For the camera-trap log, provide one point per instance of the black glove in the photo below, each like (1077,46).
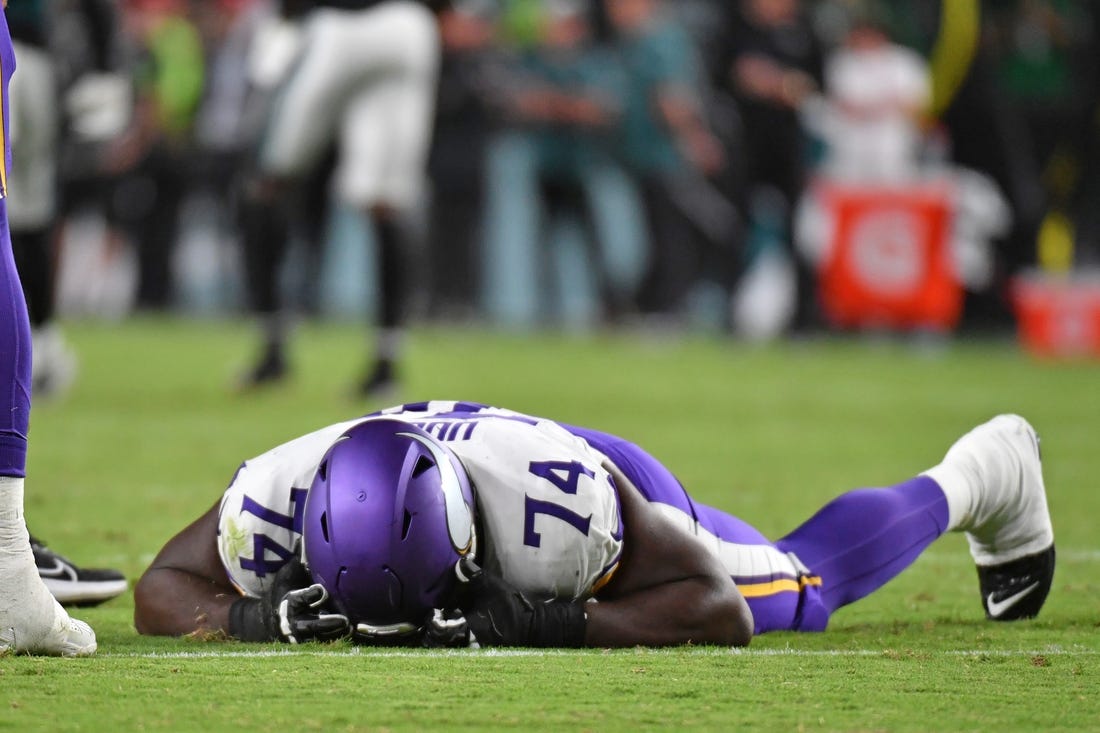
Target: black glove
(448,629)
(291,609)
(498,614)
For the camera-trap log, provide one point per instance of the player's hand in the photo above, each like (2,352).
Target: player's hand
(448,629)
(499,614)
(302,617)
(292,609)
(496,613)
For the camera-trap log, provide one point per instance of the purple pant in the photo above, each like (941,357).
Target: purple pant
(15,329)
(851,547)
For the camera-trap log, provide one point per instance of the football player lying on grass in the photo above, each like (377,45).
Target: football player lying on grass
(455,524)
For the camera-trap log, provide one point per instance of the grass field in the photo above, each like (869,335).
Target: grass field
(150,436)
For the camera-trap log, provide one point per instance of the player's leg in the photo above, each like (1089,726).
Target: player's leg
(989,485)
(265,238)
(863,538)
(385,135)
(300,127)
(30,619)
(391,241)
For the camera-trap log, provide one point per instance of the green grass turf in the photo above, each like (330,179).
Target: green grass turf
(151,435)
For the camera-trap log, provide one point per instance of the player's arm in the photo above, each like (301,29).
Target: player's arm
(668,589)
(186,589)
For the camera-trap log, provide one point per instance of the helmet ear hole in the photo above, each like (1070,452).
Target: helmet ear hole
(423,463)
(405,524)
(324,526)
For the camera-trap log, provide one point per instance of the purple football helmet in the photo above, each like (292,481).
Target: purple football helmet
(388,515)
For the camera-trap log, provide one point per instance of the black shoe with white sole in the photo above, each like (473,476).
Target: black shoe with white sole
(74,586)
(1016,589)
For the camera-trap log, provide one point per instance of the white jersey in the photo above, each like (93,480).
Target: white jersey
(548,511)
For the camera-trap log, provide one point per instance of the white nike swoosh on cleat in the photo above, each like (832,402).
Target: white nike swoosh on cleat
(58,570)
(996,608)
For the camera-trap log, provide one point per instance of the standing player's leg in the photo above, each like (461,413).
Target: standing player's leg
(30,619)
(989,485)
(264,238)
(385,136)
(300,127)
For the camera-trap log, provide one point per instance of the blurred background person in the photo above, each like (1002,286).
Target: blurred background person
(773,61)
(1044,65)
(253,50)
(154,157)
(65,50)
(468,115)
(664,139)
(565,98)
(32,200)
(877,94)
(365,77)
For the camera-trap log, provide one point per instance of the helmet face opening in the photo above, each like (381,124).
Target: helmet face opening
(389,513)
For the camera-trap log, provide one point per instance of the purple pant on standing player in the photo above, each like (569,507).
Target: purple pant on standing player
(15,329)
(851,547)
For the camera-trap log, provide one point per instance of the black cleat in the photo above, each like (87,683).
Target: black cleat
(1016,589)
(380,382)
(270,370)
(73,586)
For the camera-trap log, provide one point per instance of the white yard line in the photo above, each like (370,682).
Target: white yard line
(1057,650)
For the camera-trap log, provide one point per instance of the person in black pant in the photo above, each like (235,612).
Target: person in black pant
(464,125)
(772,61)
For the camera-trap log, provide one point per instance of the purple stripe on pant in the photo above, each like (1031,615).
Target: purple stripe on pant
(855,544)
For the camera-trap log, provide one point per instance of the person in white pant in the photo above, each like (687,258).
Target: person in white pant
(365,78)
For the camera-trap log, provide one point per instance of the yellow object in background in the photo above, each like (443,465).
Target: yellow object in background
(1055,243)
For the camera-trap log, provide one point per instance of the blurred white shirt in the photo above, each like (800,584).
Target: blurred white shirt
(871,126)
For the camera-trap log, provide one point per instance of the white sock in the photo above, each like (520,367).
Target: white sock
(957,488)
(11,503)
